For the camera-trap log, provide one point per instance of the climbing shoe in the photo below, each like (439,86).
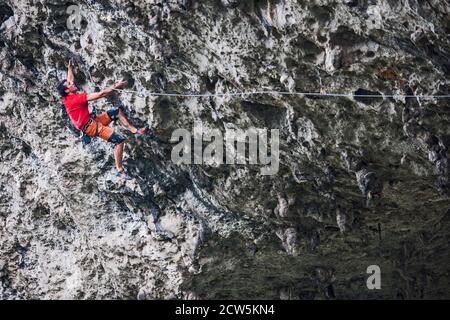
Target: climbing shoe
(123,175)
(141,133)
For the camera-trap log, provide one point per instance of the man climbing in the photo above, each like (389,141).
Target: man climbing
(92,125)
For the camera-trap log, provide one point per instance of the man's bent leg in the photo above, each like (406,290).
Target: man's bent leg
(124,121)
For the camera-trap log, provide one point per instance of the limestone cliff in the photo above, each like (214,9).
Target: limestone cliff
(362,181)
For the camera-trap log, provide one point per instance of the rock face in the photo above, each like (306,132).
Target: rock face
(362,181)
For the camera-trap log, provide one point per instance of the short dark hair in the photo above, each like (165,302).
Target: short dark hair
(62,88)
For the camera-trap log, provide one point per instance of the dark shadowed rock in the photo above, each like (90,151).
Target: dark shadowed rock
(360,181)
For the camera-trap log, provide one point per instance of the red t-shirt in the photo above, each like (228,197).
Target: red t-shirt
(77,108)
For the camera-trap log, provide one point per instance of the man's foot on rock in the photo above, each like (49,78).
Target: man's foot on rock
(123,175)
(141,133)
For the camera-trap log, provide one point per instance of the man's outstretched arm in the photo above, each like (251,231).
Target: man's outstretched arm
(107,92)
(70,72)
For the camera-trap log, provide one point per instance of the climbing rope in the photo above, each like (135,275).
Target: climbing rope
(146,93)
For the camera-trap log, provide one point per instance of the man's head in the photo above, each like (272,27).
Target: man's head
(65,88)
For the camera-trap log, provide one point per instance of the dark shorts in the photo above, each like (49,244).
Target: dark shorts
(113,114)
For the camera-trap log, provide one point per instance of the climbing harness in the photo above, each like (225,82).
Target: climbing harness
(145,93)
(84,137)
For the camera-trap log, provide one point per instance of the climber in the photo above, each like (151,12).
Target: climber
(92,125)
